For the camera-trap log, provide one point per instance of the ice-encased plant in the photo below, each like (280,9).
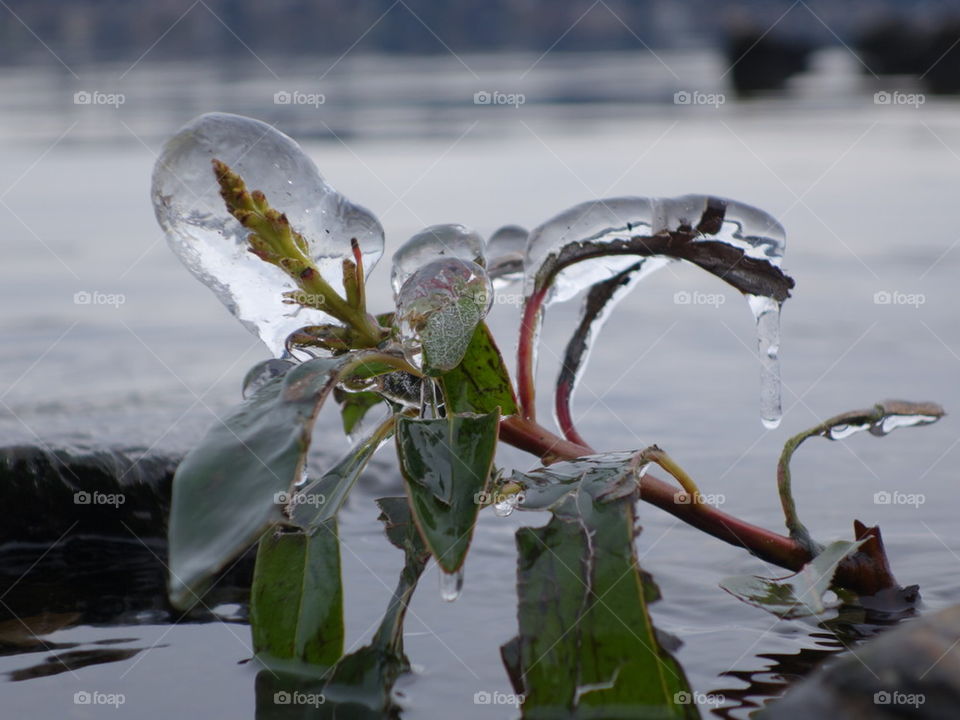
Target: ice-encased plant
(249,214)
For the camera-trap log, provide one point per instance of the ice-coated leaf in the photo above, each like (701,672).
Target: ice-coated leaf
(225,491)
(435,243)
(213,245)
(612,475)
(445,464)
(439,307)
(798,595)
(296,601)
(481,382)
(598,242)
(586,646)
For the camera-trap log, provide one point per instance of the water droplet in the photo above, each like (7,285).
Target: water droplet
(451,584)
(505,252)
(434,243)
(213,245)
(439,307)
(262,373)
(766,313)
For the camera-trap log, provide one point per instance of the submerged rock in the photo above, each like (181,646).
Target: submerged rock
(911,671)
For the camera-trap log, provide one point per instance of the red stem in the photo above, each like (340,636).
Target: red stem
(864,573)
(527,354)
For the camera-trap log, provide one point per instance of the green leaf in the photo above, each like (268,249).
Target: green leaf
(798,595)
(354,406)
(586,646)
(611,475)
(296,602)
(224,490)
(480,383)
(445,463)
(360,685)
(320,500)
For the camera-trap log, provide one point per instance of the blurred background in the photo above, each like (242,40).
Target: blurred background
(839,119)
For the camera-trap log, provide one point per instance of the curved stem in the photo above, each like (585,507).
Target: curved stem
(862,573)
(527,354)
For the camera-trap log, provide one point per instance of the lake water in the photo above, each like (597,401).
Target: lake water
(866,192)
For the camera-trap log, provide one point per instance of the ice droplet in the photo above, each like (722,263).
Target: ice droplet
(505,251)
(507,505)
(439,307)
(434,243)
(262,373)
(451,584)
(213,245)
(884,426)
(766,313)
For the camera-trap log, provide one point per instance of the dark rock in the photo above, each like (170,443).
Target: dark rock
(912,671)
(46,493)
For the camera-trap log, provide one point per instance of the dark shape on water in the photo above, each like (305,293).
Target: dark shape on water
(910,671)
(95,491)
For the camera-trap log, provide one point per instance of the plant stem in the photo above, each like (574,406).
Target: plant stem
(866,572)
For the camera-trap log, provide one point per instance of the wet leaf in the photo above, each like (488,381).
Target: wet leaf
(798,595)
(481,382)
(586,645)
(612,475)
(354,407)
(296,602)
(224,491)
(445,463)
